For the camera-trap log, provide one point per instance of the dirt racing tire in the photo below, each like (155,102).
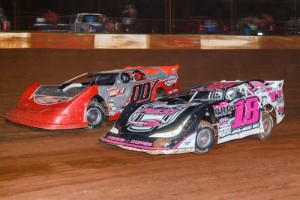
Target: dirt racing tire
(268,125)
(94,115)
(204,139)
(160,93)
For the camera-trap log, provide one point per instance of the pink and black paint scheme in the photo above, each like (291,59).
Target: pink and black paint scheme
(192,120)
(85,100)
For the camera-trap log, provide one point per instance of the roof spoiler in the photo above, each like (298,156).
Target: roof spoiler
(169,69)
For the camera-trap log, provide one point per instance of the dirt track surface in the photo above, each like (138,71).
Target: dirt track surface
(40,164)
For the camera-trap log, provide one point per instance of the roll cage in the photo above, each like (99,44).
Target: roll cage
(203,93)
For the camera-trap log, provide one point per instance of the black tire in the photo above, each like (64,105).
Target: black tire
(205,138)
(94,115)
(268,125)
(160,93)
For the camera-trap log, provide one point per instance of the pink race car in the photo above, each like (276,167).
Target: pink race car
(192,120)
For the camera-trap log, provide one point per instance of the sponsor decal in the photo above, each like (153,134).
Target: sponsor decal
(147,123)
(149,116)
(116,92)
(240,130)
(48,100)
(171,81)
(216,94)
(281,110)
(160,111)
(224,120)
(142,143)
(113,138)
(276,96)
(111,104)
(187,141)
(223,109)
(224,130)
(220,85)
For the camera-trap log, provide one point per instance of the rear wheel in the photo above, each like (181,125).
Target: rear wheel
(205,138)
(94,115)
(268,125)
(160,93)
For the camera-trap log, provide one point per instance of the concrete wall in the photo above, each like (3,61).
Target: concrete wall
(136,41)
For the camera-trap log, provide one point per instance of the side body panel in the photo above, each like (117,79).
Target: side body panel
(118,96)
(242,117)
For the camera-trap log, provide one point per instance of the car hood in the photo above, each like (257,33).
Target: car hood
(48,95)
(159,116)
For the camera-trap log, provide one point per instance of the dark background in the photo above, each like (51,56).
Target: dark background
(27,10)
(153,9)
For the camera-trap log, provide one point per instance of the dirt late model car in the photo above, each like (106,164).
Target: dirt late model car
(192,120)
(85,100)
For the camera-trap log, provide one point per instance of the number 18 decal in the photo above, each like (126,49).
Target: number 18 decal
(246,112)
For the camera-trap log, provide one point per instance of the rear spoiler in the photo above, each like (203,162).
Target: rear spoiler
(169,69)
(276,84)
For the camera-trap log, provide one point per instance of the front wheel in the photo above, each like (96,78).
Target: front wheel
(95,115)
(268,125)
(204,139)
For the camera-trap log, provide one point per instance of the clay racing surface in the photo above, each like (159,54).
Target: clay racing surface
(40,164)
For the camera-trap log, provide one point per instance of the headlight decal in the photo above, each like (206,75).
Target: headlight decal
(114,130)
(172,133)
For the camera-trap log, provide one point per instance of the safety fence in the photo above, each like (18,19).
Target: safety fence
(194,25)
(143,41)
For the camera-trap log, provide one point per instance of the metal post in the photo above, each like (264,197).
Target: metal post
(296,21)
(166,17)
(231,16)
(295,1)
(170,16)
(15,14)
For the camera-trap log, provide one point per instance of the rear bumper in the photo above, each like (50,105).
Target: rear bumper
(43,120)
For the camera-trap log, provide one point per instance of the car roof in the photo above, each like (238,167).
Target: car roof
(114,71)
(217,85)
(221,85)
(89,14)
(106,72)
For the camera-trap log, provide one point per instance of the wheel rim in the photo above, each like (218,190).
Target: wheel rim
(204,138)
(94,116)
(267,124)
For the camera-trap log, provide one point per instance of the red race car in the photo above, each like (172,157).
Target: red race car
(85,100)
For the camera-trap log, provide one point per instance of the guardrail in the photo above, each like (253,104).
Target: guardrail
(143,41)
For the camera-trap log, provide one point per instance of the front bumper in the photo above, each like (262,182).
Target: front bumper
(43,120)
(146,149)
